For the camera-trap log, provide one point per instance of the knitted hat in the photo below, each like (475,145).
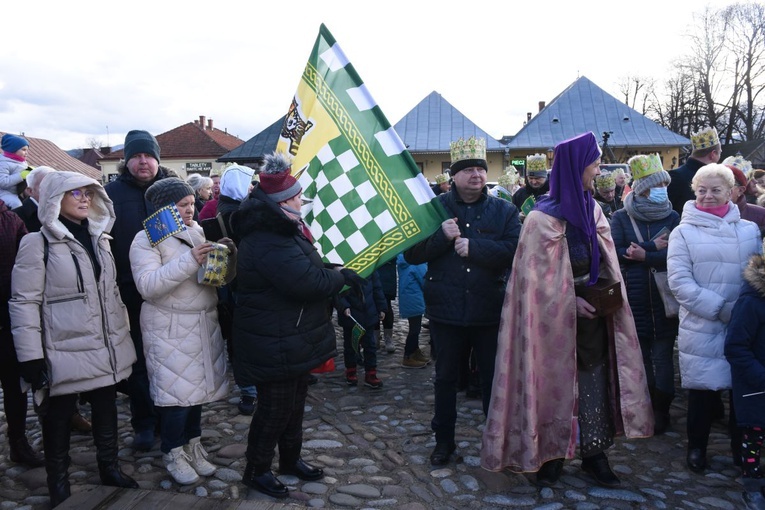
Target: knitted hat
(11,143)
(647,172)
(468,153)
(141,142)
(170,190)
(276,180)
(738,175)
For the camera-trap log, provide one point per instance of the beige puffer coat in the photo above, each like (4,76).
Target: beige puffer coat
(182,341)
(58,310)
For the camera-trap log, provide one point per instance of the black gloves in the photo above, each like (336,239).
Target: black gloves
(354,281)
(35,373)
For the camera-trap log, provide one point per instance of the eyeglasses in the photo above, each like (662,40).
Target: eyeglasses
(78,194)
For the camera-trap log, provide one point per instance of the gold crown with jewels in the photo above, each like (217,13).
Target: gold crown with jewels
(704,138)
(472,148)
(536,163)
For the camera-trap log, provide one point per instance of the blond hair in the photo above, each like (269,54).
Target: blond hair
(714,170)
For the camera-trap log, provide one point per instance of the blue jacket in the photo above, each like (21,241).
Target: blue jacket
(647,308)
(469,291)
(745,346)
(366,312)
(411,278)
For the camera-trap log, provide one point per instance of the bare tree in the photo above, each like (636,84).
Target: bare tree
(637,89)
(94,143)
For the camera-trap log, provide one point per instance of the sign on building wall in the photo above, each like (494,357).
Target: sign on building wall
(200,167)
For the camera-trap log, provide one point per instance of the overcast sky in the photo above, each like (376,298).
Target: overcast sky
(70,69)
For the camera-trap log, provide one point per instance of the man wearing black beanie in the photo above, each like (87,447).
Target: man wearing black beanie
(139,170)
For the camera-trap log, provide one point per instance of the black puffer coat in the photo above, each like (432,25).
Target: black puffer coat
(469,291)
(282,316)
(643,296)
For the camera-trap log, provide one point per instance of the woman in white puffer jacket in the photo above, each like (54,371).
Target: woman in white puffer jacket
(706,257)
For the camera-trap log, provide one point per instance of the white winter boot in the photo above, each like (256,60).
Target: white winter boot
(390,347)
(177,463)
(198,456)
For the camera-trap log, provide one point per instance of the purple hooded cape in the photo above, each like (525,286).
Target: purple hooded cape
(566,200)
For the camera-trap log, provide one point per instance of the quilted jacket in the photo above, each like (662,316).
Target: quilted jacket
(705,261)
(59,311)
(469,291)
(182,341)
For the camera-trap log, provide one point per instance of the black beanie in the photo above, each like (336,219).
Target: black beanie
(138,142)
(170,190)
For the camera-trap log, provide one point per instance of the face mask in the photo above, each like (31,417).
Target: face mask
(658,195)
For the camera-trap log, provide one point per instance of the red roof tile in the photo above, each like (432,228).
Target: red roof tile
(193,140)
(44,152)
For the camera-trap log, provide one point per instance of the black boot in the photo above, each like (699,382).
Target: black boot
(104,428)
(263,480)
(22,453)
(56,445)
(661,403)
(302,470)
(597,466)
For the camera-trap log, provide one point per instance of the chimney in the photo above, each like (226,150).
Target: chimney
(202,122)
(541,105)
(209,124)
(528,116)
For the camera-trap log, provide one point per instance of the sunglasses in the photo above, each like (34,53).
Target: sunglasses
(79,194)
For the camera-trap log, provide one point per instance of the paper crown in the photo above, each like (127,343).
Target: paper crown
(441,178)
(641,166)
(704,138)
(739,162)
(507,180)
(472,148)
(214,272)
(536,163)
(605,181)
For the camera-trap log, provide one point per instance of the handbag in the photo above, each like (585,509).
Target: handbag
(605,295)
(671,306)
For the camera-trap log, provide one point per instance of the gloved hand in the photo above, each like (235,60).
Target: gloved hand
(34,372)
(354,281)
(24,174)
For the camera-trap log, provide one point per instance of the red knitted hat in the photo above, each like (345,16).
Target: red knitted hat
(738,175)
(276,179)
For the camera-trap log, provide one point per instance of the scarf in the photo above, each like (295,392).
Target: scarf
(640,208)
(296,216)
(14,156)
(720,211)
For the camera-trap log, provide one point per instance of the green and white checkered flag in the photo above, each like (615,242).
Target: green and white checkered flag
(369,201)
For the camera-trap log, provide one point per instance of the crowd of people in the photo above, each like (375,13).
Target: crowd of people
(554,288)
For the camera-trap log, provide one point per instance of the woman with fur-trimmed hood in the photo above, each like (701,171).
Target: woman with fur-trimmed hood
(69,324)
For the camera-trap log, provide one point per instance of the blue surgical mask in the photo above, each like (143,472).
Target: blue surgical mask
(658,195)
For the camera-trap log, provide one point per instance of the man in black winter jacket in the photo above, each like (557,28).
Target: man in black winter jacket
(139,170)
(705,146)
(536,184)
(469,259)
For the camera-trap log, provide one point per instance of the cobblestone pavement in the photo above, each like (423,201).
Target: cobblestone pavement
(374,446)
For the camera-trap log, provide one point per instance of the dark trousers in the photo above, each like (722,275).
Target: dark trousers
(178,425)
(449,342)
(278,421)
(701,404)
(143,414)
(413,335)
(387,322)
(367,354)
(14,401)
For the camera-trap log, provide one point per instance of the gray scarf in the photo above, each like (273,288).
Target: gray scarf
(640,208)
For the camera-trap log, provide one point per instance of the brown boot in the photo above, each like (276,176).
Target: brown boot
(80,423)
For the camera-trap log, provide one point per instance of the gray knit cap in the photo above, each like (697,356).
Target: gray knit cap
(170,190)
(639,186)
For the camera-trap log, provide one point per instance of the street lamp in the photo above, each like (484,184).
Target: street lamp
(550,154)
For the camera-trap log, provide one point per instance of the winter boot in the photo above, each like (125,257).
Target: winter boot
(56,446)
(390,347)
(22,453)
(661,402)
(350,377)
(198,455)
(105,433)
(178,465)
(371,380)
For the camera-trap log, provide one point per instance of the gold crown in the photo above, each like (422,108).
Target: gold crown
(472,148)
(605,181)
(704,138)
(641,166)
(507,180)
(739,162)
(536,163)
(441,178)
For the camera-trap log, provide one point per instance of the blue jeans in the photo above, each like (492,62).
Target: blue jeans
(449,342)
(178,425)
(367,346)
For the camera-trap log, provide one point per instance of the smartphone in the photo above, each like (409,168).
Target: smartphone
(661,232)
